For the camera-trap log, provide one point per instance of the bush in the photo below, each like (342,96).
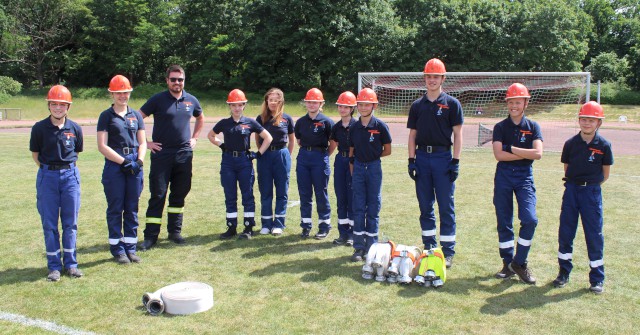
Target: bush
(615,94)
(9,86)
(607,67)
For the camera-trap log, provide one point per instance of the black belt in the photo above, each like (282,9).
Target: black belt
(56,167)
(434,148)
(126,150)
(343,153)
(236,153)
(277,147)
(580,183)
(309,148)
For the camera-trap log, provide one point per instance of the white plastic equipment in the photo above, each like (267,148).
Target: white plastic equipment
(180,299)
(377,261)
(403,264)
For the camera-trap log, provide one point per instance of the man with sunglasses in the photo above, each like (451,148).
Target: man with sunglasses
(171,155)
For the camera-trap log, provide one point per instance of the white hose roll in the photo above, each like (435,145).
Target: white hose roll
(187,298)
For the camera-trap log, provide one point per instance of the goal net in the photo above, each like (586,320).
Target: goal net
(556,98)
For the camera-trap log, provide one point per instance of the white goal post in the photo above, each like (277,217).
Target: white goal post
(555,96)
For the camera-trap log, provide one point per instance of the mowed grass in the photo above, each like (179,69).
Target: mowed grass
(290,286)
(35,108)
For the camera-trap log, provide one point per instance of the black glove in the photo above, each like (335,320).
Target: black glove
(453,169)
(222,147)
(254,155)
(127,166)
(507,148)
(413,173)
(136,167)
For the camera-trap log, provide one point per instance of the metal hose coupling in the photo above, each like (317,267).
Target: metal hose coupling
(182,298)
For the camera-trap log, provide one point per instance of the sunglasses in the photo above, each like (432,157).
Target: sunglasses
(173,80)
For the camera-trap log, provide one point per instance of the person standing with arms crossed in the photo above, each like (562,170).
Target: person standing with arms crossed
(122,141)
(517,142)
(171,155)
(342,171)
(55,143)
(369,140)
(587,159)
(236,167)
(313,132)
(274,167)
(432,120)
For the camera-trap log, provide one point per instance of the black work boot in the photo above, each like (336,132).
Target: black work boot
(247,233)
(358,256)
(148,243)
(305,232)
(562,279)
(231,229)
(505,273)
(177,238)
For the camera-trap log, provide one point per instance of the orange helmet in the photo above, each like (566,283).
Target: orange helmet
(435,66)
(591,109)
(314,95)
(346,99)
(368,95)
(59,93)
(517,90)
(236,96)
(120,83)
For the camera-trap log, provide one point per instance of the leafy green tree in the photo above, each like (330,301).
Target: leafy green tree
(216,35)
(300,44)
(130,37)
(498,35)
(36,32)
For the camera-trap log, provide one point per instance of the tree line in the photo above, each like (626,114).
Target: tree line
(297,44)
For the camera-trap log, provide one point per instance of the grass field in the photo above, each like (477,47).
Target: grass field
(287,286)
(33,108)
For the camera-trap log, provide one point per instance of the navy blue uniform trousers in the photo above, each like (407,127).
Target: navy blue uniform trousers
(58,196)
(122,191)
(585,201)
(367,200)
(274,168)
(344,195)
(236,171)
(518,180)
(433,184)
(312,172)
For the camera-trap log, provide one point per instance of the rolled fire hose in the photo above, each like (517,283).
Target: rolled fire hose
(180,299)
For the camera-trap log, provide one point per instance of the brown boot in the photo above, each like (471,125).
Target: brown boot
(523,272)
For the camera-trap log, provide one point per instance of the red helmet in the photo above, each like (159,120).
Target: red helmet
(368,95)
(435,66)
(120,83)
(517,90)
(59,93)
(236,96)
(346,99)
(314,95)
(591,109)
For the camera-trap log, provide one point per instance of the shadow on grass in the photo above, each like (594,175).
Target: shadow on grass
(268,245)
(531,297)
(26,275)
(315,269)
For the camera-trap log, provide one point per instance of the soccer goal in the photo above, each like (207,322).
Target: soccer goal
(556,98)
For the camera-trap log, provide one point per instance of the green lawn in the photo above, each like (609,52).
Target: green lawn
(34,108)
(285,285)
